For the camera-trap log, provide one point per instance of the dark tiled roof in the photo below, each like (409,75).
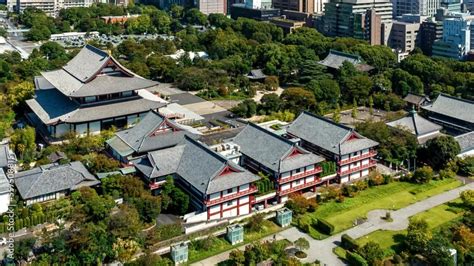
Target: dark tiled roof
(197,165)
(335,59)
(4,183)
(415,124)
(328,135)
(6,155)
(53,107)
(141,137)
(415,98)
(453,107)
(53,178)
(273,151)
(256,74)
(466,141)
(79,77)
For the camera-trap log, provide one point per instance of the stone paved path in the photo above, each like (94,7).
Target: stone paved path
(322,249)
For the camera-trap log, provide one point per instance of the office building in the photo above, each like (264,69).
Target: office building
(430,31)
(50,7)
(456,40)
(404,36)
(264,14)
(212,6)
(347,18)
(421,7)
(306,6)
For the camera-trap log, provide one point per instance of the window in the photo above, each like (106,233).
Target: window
(229,191)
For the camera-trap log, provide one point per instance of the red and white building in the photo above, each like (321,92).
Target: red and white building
(215,184)
(290,167)
(353,153)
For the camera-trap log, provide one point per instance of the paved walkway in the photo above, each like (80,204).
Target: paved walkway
(322,249)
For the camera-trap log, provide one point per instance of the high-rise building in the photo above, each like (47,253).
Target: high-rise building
(319,6)
(430,31)
(346,18)
(306,6)
(456,40)
(421,7)
(372,27)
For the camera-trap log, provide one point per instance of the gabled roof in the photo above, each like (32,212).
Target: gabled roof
(4,183)
(273,151)
(53,178)
(154,132)
(82,76)
(52,107)
(415,124)
(207,171)
(256,74)
(331,136)
(415,98)
(466,141)
(453,107)
(6,155)
(335,59)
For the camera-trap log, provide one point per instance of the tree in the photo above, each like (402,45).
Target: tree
(301,243)
(467,198)
(20,92)
(256,222)
(271,83)
(23,142)
(125,223)
(247,108)
(336,115)
(270,103)
(300,205)
(38,33)
(372,252)
(371,105)
(418,236)
(437,251)
(100,163)
(439,151)
(23,248)
(422,175)
(53,51)
(237,257)
(354,109)
(125,249)
(298,99)
(194,16)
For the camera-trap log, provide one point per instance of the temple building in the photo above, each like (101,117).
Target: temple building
(290,167)
(335,59)
(154,132)
(217,187)
(454,114)
(422,128)
(52,181)
(353,153)
(91,93)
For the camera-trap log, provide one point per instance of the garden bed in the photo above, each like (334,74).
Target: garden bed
(392,196)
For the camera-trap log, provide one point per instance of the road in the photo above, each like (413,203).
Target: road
(322,249)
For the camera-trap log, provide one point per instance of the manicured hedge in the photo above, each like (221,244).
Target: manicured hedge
(349,243)
(355,259)
(324,226)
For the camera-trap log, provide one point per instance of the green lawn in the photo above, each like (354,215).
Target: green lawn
(435,217)
(395,195)
(221,244)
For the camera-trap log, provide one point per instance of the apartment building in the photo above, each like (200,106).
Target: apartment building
(421,7)
(291,168)
(404,36)
(50,7)
(212,6)
(215,184)
(353,153)
(306,6)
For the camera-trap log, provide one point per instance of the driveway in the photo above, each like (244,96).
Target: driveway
(322,249)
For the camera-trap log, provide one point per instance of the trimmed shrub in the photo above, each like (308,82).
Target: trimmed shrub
(324,227)
(349,243)
(355,259)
